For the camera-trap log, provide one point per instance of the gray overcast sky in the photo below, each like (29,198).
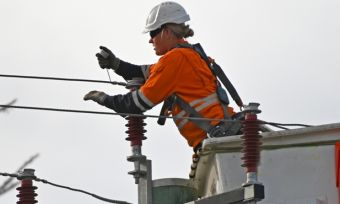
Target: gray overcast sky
(282,54)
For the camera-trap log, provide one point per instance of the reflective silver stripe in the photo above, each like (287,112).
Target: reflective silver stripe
(195,102)
(179,115)
(145,99)
(146,71)
(135,99)
(207,98)
(198,109)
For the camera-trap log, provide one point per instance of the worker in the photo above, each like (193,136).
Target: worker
(180,78)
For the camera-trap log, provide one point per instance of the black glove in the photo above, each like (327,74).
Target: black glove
(96,96)
(107,60)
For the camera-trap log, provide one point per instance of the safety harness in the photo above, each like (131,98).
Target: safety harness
(223,128)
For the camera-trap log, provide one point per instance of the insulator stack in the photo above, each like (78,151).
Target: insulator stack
(135,130)
(251,142)
(135,124)
(136,135)
(27,190)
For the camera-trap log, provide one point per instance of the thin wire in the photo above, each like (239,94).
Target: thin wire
(110,113)
(108,74)
(9,104)
(68,188)
(4,188)
(10,175)
(65,79)
(291,124)
(279,125)
(81,191)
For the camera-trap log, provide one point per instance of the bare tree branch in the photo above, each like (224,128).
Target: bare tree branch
(8,184)
(3,109)
(10,187)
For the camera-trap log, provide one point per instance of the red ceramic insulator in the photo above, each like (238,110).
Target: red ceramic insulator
(251,143)
(135,130)
(26,192)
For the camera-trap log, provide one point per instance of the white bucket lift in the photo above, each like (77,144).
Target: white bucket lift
(297,166)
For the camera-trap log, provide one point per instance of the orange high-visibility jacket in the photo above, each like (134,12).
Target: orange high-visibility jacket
(184,73)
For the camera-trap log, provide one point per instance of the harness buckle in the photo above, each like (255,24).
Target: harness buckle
(225,129)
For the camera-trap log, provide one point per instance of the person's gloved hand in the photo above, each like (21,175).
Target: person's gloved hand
(96,96)
(110,61)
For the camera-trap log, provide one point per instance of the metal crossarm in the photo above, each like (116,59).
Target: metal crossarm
(247,194)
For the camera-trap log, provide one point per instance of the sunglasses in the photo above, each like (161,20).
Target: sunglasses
(155,32)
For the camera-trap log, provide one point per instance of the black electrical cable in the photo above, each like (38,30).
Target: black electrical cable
(62,110)
(81,191)
(109,113)
(8,185)
(64,79)
(290,124)
(279,125)
(8,174)
(68,188)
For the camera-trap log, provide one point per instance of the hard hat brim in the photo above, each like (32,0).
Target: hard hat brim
(179,20)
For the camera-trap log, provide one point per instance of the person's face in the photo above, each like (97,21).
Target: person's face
(162,40)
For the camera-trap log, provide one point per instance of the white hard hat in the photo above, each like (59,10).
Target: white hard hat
(166,12)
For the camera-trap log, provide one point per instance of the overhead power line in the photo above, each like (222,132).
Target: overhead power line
(278,125)
(281,124)
(64,79)
(3,107)
(106,113)
(8,184)
(9,104)
(68,188)
(81,191)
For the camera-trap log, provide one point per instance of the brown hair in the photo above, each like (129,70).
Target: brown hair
(180,30)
